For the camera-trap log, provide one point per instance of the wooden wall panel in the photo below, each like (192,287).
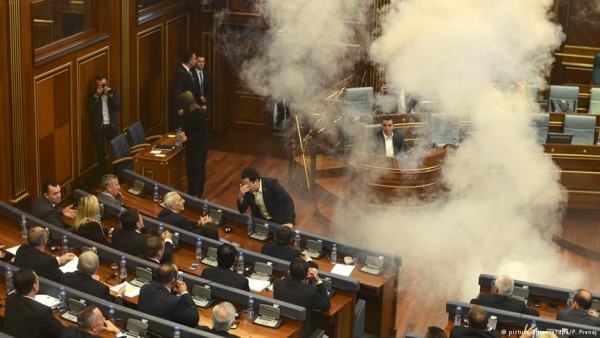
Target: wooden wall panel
(150,84)
(177,43)
(250,110)
(88,66)
(53,109)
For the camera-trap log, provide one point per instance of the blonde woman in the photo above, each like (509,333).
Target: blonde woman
(195,137)
(85,224)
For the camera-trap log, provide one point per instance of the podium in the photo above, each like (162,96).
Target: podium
(166,166)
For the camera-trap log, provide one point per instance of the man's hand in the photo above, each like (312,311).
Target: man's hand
(204,219)
(289,225)
(69,212)
(166,234)
(180,287)
(180,112)
(121,291)
(110,327)
(314,275)
(203,99)
(66,258)
(244,188)
(99,90)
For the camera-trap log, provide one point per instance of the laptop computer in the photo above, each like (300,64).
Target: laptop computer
(73,308)
(373,265)
(137,189)
(521,294)
(262,271)
(136,328)
(201,296)
(216,215)
(314,249)
(211,257)
(268,316)
(143,276)
(261,232)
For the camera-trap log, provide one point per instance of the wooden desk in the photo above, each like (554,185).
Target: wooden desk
(378,291)
(169,169)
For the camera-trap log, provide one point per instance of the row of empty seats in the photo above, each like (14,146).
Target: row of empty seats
(579,129)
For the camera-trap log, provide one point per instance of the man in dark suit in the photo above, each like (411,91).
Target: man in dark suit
(25,317)
(91,323)
(222,274)
(104,103)
(502,290)
(222,317)
(579,312)
(478,326)
(129,237)
(86,280)
(159,250)
(387,141)
(32,255)
(281,249)
(183,79)
(201,82)
(111,191)
(266,198)
(156,298)
(45,207)
(174,205)
(295,290)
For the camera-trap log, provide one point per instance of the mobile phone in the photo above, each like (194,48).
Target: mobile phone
(235,324)
(194,266)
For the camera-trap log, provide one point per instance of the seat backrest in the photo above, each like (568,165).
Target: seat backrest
(563,98)
(582,128)
(120,149)
(318,333)
(541,122)
(595,101)
(358,101)
(445,129)
(359,318)
(596,70)
(136,133)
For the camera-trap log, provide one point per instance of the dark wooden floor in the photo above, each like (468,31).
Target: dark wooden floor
(233,151)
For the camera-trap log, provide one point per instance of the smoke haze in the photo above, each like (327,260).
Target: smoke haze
(504,201)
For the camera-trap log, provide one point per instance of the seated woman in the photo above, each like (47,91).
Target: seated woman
(85,224)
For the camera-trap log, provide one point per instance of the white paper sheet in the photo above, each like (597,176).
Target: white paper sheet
(71,266)
(257,285)
(47,300)
(130,290)
(342,269)
(13,250)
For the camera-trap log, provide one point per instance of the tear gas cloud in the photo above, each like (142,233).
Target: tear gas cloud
(503,200)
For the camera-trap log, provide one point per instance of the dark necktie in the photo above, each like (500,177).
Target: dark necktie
(197,87)
(201,82)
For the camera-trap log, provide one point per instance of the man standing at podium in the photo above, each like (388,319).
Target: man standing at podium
(387,142)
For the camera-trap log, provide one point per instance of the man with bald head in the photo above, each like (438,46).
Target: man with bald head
(579,312)
(85,278)
(478,326)
(500,297)
(174,205)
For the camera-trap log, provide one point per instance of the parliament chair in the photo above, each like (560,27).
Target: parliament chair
(582,127)
(136,135)
(359,318)
(563,99)
(444,129)
(122,155)
(358,101)
(541,123)
(595,101)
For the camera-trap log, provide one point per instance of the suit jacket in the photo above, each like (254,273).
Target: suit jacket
(25,318)
(44,210)
(578,316)
(106,198)
(182,81)
(175,219)
(218,333)
(156,300)
(299,293)
(379,142)
(95,109)
(129,241)
(43,264)
(500,302)
(92,231)
(282,252)
(82,282)
(205,87)
(226,277)
(467,332)
(278,202)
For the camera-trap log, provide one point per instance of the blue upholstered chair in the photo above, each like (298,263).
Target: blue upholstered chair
(358,101)
(563,98)
(121,152)
(582,128)
(595,101)
(444,129)
(540,122)
(596,70)
(137,136)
